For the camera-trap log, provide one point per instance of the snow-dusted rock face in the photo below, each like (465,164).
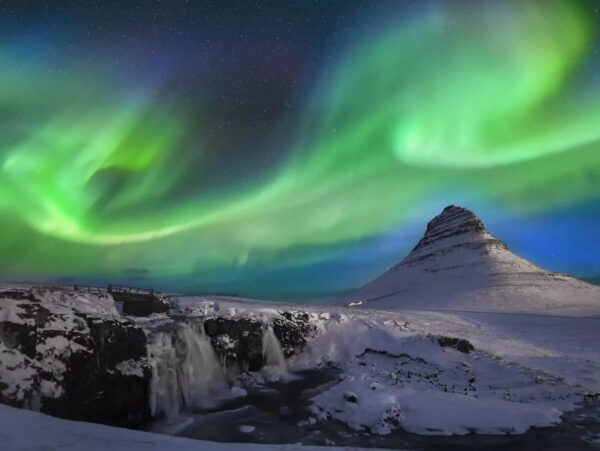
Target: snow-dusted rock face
(68,355)
(239,341)
(458,264)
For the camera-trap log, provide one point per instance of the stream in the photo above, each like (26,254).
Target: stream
(277,412)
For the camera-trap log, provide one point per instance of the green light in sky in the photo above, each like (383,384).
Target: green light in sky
(489,100)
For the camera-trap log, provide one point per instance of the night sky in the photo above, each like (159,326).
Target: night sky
(291,150)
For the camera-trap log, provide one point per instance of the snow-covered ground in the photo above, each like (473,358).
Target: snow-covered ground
(402,377)
(67,297)
(424,371)
(562,345)
(24,430)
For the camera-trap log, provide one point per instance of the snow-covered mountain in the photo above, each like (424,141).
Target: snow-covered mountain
(458,264)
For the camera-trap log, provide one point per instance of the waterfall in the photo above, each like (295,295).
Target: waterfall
(164,389)
(185,371)
(272,352)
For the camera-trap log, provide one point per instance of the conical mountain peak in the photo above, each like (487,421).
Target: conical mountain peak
(455,218)
(454,226)
(458,264)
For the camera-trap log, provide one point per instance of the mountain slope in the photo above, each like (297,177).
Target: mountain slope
(458,265)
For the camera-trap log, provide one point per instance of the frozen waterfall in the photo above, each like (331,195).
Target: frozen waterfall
(274,360)
(185,370)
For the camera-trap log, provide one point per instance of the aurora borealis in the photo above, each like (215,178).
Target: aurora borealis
(291,150)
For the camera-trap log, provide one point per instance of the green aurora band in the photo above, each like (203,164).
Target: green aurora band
(492,100)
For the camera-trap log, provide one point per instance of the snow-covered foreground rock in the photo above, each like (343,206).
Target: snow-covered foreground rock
(400,374)
(69,353)
(23,430)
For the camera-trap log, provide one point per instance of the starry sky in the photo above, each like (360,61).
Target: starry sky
(291,150)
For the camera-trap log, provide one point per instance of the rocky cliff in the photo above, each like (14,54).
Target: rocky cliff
(70,354)
(78,363)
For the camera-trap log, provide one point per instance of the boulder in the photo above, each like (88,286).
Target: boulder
(460,344)
(350,397)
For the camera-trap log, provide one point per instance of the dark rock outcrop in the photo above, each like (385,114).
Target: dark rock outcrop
(137,304)
(238,341)
(71,364)
(293,329)
(454,227)
(460,344)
